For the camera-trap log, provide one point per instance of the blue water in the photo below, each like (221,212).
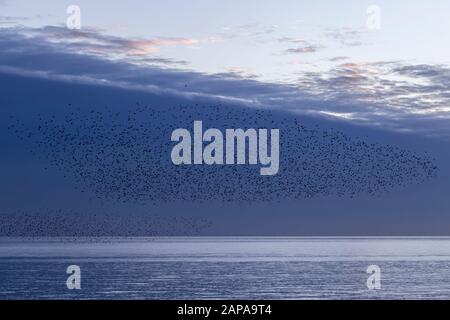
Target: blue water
(225,268)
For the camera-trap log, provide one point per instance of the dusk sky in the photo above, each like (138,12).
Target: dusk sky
(378,70)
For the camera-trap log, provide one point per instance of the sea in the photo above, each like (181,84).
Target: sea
(225,268)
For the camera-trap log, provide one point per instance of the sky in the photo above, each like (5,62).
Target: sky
(379,70)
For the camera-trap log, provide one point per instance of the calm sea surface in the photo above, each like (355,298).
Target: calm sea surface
(225,268)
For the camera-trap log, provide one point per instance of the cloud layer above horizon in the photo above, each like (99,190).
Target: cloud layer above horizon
(392,95)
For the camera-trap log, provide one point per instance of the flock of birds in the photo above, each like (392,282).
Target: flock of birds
(124,154)
(59,223)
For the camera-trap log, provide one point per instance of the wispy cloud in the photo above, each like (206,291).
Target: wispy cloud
(305,49)
(346,36)
(302,45)
(94,41)
(292,40)
(338,58)
(12,20)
